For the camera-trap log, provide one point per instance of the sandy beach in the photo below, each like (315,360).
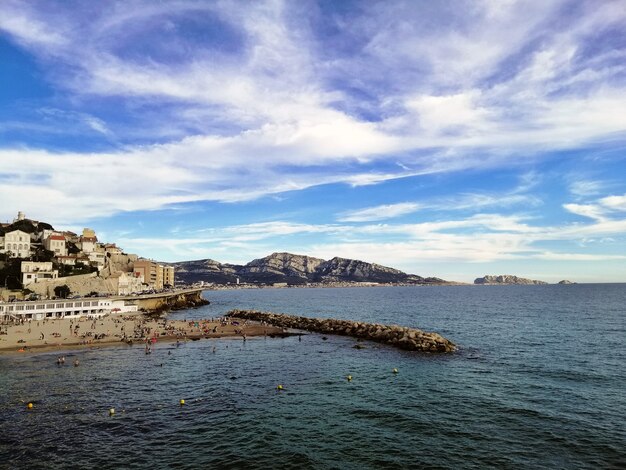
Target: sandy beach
(83,332)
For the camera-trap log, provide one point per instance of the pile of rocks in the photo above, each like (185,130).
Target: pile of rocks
(402,337)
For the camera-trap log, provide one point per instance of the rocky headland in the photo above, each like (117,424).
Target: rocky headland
(505,279)
(565,281)
(294,269)
(402,337)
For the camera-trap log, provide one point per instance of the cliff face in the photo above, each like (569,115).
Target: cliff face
(294,269)
(338,269)
(206,270)
(283,263)
(505,279)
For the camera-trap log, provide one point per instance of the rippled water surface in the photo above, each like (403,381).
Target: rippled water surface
(539,381)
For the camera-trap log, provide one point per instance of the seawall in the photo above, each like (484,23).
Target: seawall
(159,303)
(410,339)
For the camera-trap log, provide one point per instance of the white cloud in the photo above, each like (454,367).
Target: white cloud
(617,203)
(501,86)
(586,210)
(586,187)
(382,212)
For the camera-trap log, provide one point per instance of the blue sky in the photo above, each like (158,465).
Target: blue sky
(451,139)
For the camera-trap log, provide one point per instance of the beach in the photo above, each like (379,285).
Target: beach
(51,334)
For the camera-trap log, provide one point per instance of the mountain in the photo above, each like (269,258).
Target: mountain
(294,269)
(505,279)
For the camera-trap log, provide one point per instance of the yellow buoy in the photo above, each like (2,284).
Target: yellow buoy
(30,406)
(279,387)
(111,411)
(395,371)
(349,377)
(182,402)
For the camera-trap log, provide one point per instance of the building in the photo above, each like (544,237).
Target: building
(69,260)
(35,271)
(56,243)
(125,283)
(148,270)
(16,244)
(168,276)
(87,241)
(155,275)
(112,248)
(38,310)
(97,258)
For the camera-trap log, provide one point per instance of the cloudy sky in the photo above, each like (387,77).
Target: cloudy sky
(448,138)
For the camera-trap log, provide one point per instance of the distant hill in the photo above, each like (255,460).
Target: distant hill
(294,270)
(505,279)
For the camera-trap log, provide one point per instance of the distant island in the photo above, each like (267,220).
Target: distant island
(286,269)
(505,279)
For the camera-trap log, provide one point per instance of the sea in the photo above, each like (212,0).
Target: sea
(539,381)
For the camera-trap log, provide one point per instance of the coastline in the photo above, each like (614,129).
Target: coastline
(115,330)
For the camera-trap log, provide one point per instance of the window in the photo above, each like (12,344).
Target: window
(59,305)
(41,307)
(30,307)
(19,307)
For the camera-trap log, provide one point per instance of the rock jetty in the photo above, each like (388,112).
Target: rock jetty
(402,337)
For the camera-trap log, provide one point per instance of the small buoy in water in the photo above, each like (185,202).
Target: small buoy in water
(349,377)
(279,387)
(111,411)
(182,402)
(29,406)
(395,371)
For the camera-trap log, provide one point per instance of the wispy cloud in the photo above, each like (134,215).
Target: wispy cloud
(504,83)
(382,212)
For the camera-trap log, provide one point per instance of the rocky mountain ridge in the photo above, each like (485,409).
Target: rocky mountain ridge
(294,270)
(505,279)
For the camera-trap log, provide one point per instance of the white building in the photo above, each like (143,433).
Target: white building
(34,271)
(56,244)
(17,243)
(87,241)
(97,258)
(70,260)
(74,308)
(126,283)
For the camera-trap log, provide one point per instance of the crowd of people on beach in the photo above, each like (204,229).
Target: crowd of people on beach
(28,333)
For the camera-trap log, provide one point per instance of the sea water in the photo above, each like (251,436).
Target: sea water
(539,381)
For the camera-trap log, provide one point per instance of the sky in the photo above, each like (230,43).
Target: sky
(451,138)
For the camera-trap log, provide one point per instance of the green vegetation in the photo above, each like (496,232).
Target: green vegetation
(80,268)
(10,272)
(62,291)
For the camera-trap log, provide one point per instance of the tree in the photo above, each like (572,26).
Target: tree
(62,291)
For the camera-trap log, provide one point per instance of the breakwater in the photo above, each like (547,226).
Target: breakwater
(402,337)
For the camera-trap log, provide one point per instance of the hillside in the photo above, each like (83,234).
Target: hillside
(294,270)
(505,279)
